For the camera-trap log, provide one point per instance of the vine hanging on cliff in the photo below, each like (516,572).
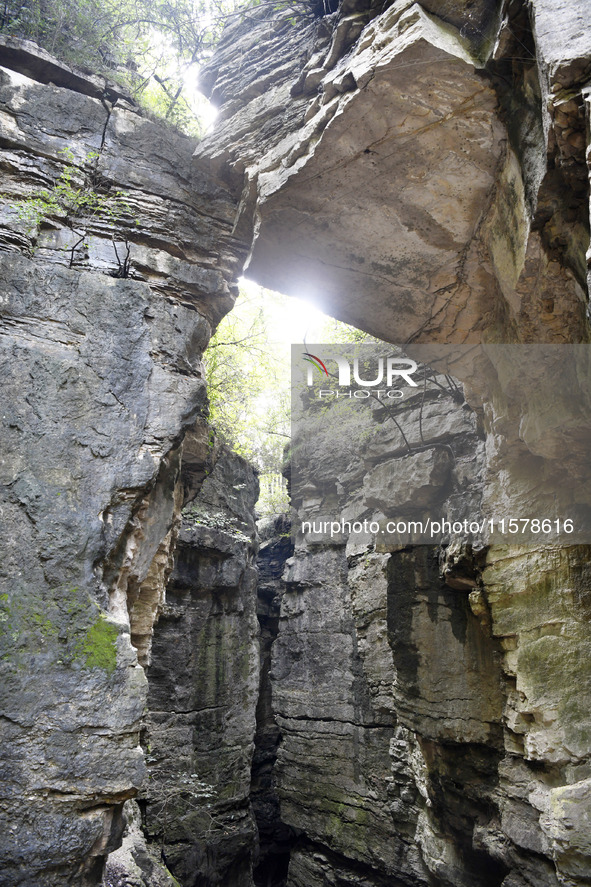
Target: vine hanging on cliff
(76,201)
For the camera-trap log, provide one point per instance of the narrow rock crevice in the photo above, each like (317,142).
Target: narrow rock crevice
(275,838)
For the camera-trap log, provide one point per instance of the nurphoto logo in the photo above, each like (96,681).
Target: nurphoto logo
(382,371)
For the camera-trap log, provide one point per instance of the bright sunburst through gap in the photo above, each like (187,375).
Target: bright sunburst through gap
(290,320)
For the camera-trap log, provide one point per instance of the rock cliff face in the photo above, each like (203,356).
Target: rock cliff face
(101,378)
(428,697)
(416,716)
(203,688)
(275,836)
(421,169)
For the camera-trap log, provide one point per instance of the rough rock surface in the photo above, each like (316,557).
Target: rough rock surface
(135,863)
(386,686)
(203,688)
(429,700)
(275,837)
(101,377)
(415,172)
(421,168)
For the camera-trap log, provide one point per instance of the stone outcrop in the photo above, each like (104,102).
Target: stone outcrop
(411,716)
(387,685)
(421,169)
(416,169)
(203,688)
(135,863)
(101,376)
(428,698)
(275,838)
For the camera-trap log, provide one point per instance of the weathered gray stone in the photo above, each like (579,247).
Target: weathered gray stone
(101,378)
(380,181)
(275,837)
(177,222)
(203,687)
(563,51)
(31,60)
(422,168)
(411,482)
(89,419)
(135,864)
(452,138)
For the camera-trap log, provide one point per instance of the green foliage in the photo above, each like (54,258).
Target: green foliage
(145,46)
(335,332)
(75,200)
(249,381)
(163,99)
(148,46)
(248,386)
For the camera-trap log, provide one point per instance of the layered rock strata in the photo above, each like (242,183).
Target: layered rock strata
(275,838)
(421,169)
(203,688)
(428,698)
(387,685)
(102,337)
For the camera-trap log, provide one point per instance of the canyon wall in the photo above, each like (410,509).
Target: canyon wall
(102,376)
(421,170)
(423,175)
(417,716)
(203,688)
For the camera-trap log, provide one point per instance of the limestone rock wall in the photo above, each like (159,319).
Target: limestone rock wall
(429,698)
(101,377)
(420,168)
(387,682)
(203,688)
(275,837)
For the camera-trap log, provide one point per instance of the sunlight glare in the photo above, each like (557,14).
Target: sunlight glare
(201,106)
(291,321)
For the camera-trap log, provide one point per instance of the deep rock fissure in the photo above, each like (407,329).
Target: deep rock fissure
(275,838)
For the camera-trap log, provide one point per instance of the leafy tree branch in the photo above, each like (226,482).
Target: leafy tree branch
(148,46)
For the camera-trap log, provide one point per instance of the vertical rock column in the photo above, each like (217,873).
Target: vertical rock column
(101,376)
(275,837)
(203,687)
